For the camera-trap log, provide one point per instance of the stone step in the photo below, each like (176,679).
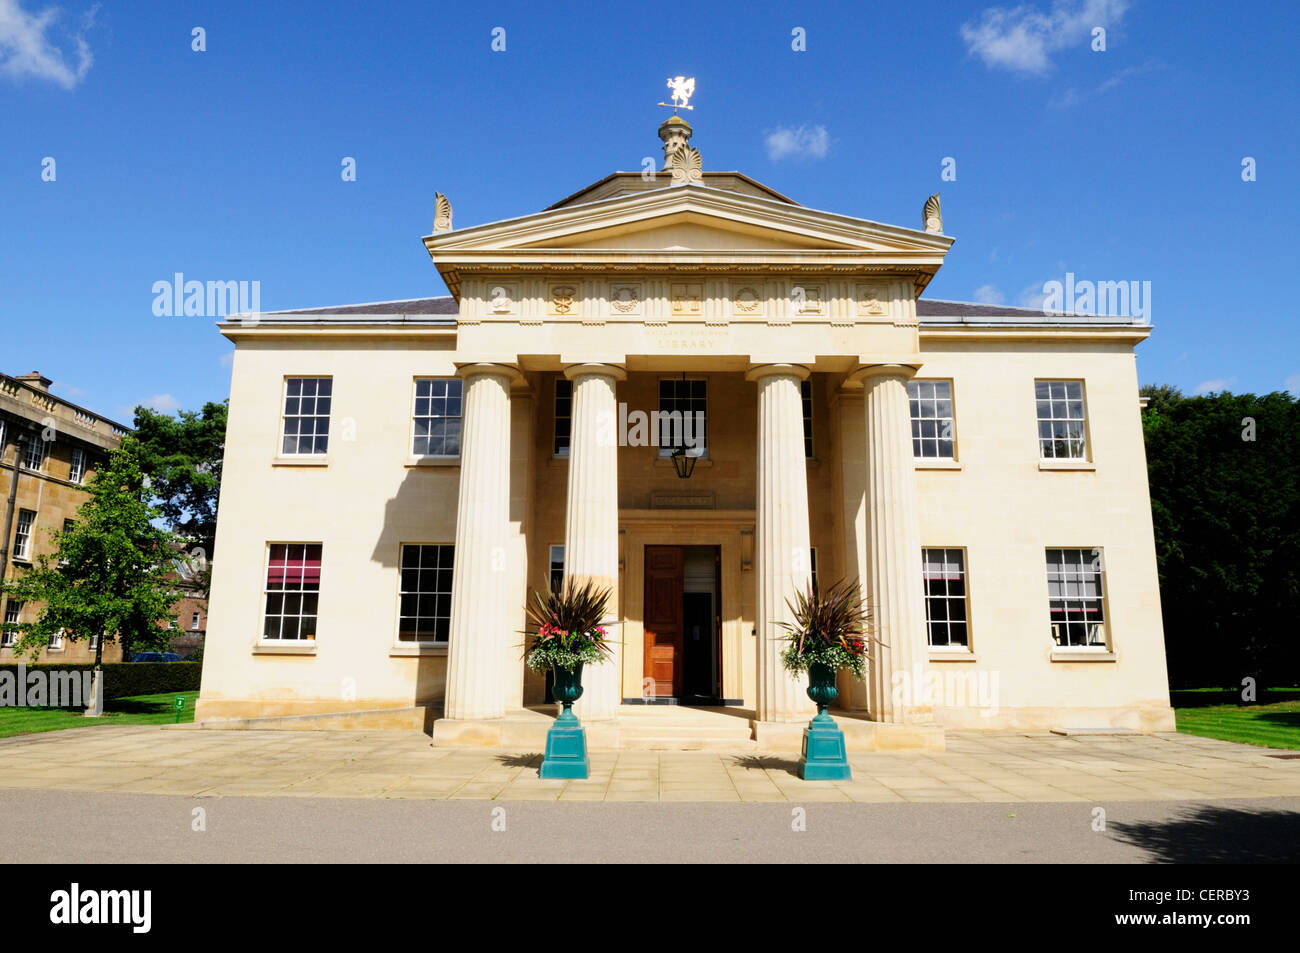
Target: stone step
(650,742)
(416,718)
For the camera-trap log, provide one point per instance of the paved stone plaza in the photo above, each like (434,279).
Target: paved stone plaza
(1012,767)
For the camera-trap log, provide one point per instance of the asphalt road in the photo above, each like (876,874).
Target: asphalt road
(38,826)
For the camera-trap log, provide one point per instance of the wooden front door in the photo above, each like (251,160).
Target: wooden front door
(663,619)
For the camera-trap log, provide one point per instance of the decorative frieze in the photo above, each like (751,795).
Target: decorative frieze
(687,299)
(873,299)
(747,300)
(564,300)
(503,298)
(595,306)
(625,299)
(807,299)
(713,301)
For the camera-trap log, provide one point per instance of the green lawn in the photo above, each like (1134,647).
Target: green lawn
(137,710)
(1273,724)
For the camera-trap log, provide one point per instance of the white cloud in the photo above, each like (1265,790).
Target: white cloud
(1072,97)
(1216,384)
(228,359)
(802,143)
(1023,38)
(27,49)
(69,391)
(1032,297)
(1293,385)
(162,403)
(989,294)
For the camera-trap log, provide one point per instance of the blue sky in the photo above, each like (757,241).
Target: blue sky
(225,164)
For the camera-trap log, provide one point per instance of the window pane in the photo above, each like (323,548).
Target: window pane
(435,424)
(944,580)
(424,604)
(1076,606)
(931,407)
(305,421)
(1061,419)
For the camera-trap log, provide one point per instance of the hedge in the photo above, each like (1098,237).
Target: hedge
(124,679)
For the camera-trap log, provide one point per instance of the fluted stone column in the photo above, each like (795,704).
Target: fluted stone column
(899,669)
(479,636)
(591,520)
(783,558)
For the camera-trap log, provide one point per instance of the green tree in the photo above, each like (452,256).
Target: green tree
(182,457)
(1225,501)
(108,575)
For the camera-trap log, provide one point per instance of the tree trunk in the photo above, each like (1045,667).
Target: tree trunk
(95,704)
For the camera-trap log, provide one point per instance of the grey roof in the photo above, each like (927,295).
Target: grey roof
(939,308)
(936,311)
(928,310)
(443,305)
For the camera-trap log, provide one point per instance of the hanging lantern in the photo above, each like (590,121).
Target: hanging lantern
(684,463)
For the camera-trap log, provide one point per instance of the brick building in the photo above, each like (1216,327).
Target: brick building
(52,447)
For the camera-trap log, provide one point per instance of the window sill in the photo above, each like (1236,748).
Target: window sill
(432,462)
(938,656)
(416,651)
(1083,655)
(667,461)
(285,648)
(1066,465)
(304,461)
(935,463)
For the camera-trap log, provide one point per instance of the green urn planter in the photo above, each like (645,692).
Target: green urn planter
(566,741)
(824,757)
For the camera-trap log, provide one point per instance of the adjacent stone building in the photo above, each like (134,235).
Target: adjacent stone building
(62,444)
(691,388)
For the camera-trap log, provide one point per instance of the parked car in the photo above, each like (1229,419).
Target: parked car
(155,657)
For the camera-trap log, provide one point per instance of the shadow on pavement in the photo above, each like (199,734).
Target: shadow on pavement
(1208,834)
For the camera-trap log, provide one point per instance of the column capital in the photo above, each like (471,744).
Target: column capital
(905,369)
(500,369)
(759,371)
(596,369)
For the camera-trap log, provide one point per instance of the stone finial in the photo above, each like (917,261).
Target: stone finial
(931,216)
(441,213)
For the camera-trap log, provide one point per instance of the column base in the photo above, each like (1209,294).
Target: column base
(566,749)
(860,734)
(824,757)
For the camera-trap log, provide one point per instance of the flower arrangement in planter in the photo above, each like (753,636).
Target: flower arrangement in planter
(568,635)
(569,632)
(830,631)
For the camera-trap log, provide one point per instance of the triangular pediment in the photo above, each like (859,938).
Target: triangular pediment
(683,227)
(690,216)
(687,231)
